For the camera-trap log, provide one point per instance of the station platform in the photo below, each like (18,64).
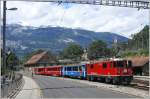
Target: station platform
(30,90)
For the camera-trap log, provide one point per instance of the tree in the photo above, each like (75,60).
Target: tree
(110,52)
(73,51)
(97,50)
(140,40)
(138,45)
(12,60)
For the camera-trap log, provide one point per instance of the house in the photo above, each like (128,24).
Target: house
(40,59)
(140,65)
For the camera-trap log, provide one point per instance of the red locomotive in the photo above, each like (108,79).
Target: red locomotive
(115,71)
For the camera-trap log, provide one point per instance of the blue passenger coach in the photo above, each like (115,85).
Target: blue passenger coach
(78,71)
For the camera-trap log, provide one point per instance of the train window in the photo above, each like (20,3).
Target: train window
(104,65)
(125,63)
(75,68)
(39,70)
(49,69)
(120,63)
(115,64)
(64,68)
(69,68)
(92,66)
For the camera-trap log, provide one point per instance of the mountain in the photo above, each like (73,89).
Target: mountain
(25,39)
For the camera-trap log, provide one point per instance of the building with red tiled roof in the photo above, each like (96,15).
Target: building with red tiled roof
(40,59)
(140,65)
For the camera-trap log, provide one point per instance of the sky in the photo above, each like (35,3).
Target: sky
(120,20)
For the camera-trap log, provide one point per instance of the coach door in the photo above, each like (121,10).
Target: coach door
(83,71)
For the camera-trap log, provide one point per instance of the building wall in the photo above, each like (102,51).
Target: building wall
(141,70)
(137,70)
(145,69)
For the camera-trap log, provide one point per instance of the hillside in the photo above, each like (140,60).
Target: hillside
(25,39)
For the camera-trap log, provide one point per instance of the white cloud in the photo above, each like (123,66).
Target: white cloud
(124,21)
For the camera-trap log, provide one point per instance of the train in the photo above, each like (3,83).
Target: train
(109,71)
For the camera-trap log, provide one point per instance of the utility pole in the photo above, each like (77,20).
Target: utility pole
(4,35)
(4,39)
(116,46)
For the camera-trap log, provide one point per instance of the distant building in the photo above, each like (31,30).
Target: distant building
(140,65)
(66,61)
(40,59)
(85,55)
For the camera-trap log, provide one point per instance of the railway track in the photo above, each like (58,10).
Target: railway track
(140,84)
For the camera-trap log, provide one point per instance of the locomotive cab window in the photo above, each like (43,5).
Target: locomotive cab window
(104,65)
(91,66)
(114,64)
(120,64)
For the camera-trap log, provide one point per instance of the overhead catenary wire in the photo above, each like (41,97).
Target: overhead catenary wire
(63,15)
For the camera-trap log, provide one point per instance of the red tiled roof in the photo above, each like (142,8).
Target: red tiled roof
(35,58)
(139,61)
